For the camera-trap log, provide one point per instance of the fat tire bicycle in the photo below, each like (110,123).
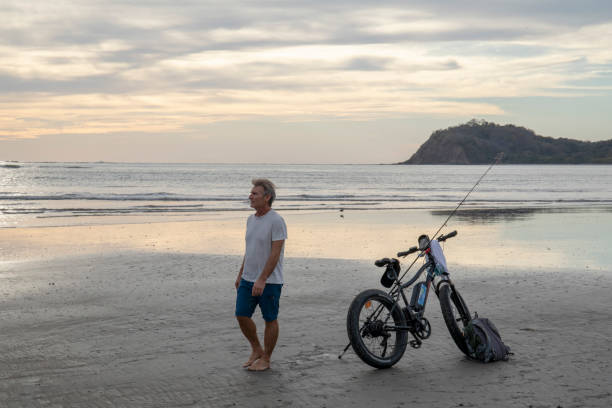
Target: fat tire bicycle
(379,326)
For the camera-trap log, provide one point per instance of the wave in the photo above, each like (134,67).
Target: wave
(161,196)
(466,213)
(14,197)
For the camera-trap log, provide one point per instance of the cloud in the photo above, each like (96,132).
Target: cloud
(367,64)
(90,67)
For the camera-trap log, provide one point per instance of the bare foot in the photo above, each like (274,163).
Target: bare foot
(260,365)
(254,357)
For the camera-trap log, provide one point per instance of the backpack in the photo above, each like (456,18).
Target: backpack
(484,342)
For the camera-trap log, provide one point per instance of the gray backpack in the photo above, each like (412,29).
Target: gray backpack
(484,342)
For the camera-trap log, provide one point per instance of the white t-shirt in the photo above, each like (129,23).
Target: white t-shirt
(260,233)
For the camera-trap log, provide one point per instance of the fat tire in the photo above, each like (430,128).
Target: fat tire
(449,297)
(354,329)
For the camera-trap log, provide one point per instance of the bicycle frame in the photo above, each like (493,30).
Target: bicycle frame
(397,292)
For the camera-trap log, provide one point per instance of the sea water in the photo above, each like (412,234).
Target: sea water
(65,193)
(555,217)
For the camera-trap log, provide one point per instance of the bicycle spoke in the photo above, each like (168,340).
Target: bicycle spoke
(381,341)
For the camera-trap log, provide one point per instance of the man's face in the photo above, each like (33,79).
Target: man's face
(257,198)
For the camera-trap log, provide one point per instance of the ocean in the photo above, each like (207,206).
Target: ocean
(73,193)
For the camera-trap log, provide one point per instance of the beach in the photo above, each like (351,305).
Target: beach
(141,314)
(138,137)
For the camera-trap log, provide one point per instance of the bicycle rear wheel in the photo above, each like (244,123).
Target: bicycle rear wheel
(456,315)
(371,325)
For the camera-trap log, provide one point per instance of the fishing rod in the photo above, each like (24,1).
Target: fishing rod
(497,159)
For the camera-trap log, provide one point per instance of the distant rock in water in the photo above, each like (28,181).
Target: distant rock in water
(478,142)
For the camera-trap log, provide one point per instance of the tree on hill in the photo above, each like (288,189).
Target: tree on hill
(479,141)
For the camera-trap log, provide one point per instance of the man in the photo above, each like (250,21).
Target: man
(260,279)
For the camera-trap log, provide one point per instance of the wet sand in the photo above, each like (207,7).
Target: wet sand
(573,239)
(119,323)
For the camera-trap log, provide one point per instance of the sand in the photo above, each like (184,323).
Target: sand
(114,322)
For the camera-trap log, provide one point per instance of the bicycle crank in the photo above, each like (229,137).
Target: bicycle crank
(423,329)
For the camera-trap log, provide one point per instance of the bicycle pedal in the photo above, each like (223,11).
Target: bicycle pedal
(415,344)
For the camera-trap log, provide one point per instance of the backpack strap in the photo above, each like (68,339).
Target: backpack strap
(488,339)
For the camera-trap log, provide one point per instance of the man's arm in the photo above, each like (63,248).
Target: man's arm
(239,275)
(275,251)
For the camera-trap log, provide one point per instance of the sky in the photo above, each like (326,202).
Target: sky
(293,81)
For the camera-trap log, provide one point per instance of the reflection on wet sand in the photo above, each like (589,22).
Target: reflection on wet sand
(533,238)
(498,215)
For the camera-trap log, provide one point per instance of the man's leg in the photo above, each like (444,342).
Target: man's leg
(270,337)
(245,306)
(269,304)
(247,325)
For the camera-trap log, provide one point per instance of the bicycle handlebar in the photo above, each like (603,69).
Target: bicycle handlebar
(443,238)
(414,249)
(408,252)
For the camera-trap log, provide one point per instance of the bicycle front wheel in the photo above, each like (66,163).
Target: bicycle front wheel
(371,324)
(456,315)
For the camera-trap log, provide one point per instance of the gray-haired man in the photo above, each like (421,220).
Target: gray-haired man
(260,279)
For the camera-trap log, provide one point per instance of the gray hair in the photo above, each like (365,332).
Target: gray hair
(268,186)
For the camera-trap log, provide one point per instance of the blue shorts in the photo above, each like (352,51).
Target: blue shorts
(268,301)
